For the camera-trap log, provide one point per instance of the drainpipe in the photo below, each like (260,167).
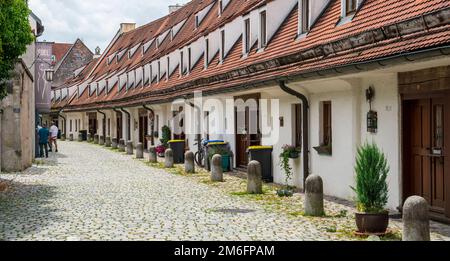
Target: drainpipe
(305,110)
(65,120)
(129,123)
(103,124)
(152,127)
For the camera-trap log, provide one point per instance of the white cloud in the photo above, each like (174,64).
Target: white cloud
(94,21)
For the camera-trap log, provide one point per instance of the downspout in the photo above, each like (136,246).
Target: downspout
(152,126)
(103,123)
(65,120)
(129,123)
(305,110)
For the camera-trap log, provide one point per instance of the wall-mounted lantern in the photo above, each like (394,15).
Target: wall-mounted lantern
(372,116)
(49,75)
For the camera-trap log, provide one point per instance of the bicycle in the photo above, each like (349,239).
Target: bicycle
(199,156)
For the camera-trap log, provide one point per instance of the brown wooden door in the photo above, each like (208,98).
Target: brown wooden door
(119,125)
(247,128)
(143,130)
(426,144)
(92,123)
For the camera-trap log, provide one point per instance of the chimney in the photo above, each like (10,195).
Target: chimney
(126,27)
(173,8)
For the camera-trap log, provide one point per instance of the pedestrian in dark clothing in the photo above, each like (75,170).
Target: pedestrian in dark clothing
(43,140)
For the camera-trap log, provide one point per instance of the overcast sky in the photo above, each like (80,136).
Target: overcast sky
(94,21)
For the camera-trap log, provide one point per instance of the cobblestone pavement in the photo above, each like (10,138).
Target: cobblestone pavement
(92,193)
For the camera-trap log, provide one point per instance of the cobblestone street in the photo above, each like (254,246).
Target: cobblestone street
(87,192)
(90,193)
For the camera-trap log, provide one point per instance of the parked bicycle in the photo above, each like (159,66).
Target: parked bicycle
(200,154)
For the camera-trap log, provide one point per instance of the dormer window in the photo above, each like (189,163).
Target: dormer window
(181,63)
(220,7)
(222,46)
(168,68)
(206,53)
(197,22)
(247,36)
(304,17)
(189,59)
(263,29)
(350,7)
(159,71)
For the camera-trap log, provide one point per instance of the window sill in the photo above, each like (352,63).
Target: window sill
(345,20)
(324,150)
(301,36)
(261,49)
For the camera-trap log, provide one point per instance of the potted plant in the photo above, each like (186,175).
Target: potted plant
(371,190)
(166,136)
(287,153)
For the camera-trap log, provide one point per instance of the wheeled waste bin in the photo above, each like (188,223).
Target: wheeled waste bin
(177,147)
(218,147)
(263,154)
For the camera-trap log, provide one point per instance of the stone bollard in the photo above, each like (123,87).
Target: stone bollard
(101,140)
(114,143)
(122,145)
(130,147)
(80,137)
(96,139)
(189,165)
(71,137)
(89,137)
(216,168)
(168,160)
(139,151)
(314,196)
(416,220)
(152,157)
(254,178)
(63,137)
(108,142)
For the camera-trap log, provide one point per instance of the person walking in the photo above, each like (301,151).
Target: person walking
(54,137)
(43,140)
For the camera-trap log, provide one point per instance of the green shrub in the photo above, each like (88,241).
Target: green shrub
(166,136)
(371,174)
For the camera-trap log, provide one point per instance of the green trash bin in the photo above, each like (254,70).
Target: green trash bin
(177,147)
(222,148)
(263,154)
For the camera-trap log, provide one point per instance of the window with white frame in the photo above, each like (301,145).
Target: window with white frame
(189,60)
(247,38)
(349,7)
(263,29)
(304,17)
(168,68)
(220,7)
(197,22)
(182,71)
(159,71)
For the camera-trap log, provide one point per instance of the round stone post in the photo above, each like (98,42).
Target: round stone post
(63,137)
(168,159)
(122,145)
(139,151)
(101,140)
(108,142)
(254,178)
(152,157)
(314,196)
(80,137)
(189,165)
(96,139)
(130,147)
(89,137)
(71,137)
(114,143)
(416,220)
(216,168)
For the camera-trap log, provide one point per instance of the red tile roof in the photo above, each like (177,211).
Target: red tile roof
(60,49)
(374,19)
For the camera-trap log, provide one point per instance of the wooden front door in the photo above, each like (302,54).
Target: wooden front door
(143,129)
(92,123)
(119,125)
(426,129)
(247,127)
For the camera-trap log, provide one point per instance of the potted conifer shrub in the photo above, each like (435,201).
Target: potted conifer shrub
(371,190)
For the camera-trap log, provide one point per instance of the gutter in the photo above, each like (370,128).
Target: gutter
(104,123)
(152,125)
(64,118)
(129,123)
(305,129)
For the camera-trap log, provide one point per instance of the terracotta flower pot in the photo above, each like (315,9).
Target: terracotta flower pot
(372,224)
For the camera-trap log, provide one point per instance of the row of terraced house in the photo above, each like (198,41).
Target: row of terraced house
(324,76)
